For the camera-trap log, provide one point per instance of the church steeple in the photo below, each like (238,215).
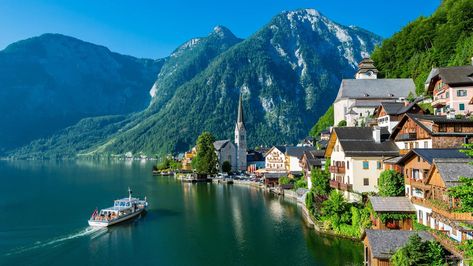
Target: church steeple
(240,137)
(366,69)
(240,118)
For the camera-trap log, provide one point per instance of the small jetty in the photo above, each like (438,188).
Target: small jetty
(194,178)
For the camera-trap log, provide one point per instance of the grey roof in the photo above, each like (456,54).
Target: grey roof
(430,154)
(453,76)
(375,88)
(384,243)
(393,160)
(451,169)
(358,141)
(437,119)
(366,65)
(219,144)
(314,158)
(397,108)
(391,204)
(365,103)
(298,151)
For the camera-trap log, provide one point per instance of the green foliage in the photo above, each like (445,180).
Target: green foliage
(320,181)
(284,180)
(395,216)
(463,192)
(205,161)
(418,252)
(342,123)
(336,208)
(324,122)
(467,248)
(226,167)
(300,183)
(168,163)
(428,42)
(309,201)
(391,184)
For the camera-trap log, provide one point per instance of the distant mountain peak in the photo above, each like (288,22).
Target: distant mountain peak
(222,32)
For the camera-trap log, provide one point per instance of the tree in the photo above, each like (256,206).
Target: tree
(284,180)
(391,184)
(320,181)
(205,161)
(323,123)
(418,252)
(226,167)
(342,123)
(463,192)
(336,208)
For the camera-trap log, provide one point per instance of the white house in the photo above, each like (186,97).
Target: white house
(356,159)
(357,98)
(275,160)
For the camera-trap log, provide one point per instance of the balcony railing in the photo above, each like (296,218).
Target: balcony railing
(407,136)
(334,184)
(340,186)
(337,169)
(447,213)
(417,183)
(346,187)
(439,102)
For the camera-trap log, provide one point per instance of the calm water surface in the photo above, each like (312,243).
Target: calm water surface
(44,207)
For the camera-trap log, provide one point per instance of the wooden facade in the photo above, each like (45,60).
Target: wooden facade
(392,224)
(368,254)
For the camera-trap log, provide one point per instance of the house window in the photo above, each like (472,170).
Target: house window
(461,107)
(366,165)
(447,95)
(457,128)
(406,145)
(379,165)
(426,144)
(366,181)
(416,144)
(442,128)
(348,165)
(461,93)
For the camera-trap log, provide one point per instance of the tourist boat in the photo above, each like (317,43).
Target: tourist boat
(122,210)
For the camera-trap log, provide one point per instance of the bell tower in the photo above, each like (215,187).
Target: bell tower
(366,69)
(240,138)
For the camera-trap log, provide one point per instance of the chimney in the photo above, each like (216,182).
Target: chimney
(377,134)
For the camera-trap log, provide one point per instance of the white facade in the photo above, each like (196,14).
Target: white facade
(414,144)
(385,121)
(275,160)
(293,164)
(360,172)
(240,139)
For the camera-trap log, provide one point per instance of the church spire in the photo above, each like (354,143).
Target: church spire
(240,119)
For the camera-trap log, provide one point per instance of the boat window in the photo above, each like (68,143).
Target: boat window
(128,204)
(122,203)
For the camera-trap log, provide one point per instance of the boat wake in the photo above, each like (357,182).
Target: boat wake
(93,232)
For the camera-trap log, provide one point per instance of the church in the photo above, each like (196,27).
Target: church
(234,152)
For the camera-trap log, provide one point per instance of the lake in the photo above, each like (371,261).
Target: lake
(44,207)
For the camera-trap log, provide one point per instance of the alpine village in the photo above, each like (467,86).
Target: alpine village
(393,170)
(390,163)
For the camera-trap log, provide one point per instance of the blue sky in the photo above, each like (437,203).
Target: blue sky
(154,29)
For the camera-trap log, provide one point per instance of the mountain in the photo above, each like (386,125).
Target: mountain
(288,74)
(52,81)
(443,39)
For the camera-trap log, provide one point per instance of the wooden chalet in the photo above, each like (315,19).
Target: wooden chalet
(392,205)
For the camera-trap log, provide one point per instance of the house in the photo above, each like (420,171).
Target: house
(416,164)
(437,209)
(388,114)
(255,160)
(226,151)
(275,160)
(293,157)
(452,89)
(380,245)
(310,160)
(187,160)
(358,98)
(430,131)
(325,135)
(356,156)
(400,206)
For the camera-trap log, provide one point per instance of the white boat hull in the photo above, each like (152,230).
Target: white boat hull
(95,223)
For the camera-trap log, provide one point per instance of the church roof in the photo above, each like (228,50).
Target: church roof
(220,144)
(375,88)
(240,117)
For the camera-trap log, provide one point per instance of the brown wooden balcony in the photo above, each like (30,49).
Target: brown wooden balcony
(439,102)
(417,183)
(346,187)
(334,184)
(337,169)
(447,213)
(340,186)
(407,136)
